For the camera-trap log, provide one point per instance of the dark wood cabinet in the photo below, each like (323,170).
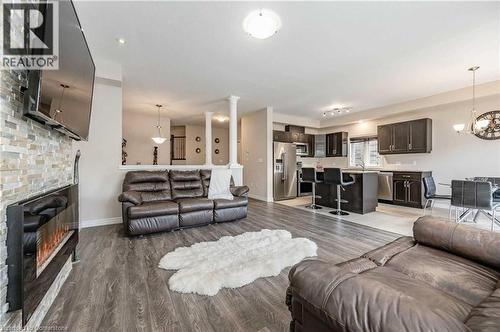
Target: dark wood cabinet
(408,188)
(336,144)
(295,137)
(405,137)
(311,142)
(384,134)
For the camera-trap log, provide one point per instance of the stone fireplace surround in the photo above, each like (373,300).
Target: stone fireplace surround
(33,160)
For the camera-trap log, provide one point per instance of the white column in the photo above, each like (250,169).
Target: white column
(233,131)
(208,138)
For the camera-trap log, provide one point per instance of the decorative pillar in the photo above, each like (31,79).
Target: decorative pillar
(233,131)
(208,138)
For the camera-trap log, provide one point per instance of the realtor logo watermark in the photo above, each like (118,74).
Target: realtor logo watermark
(30,37)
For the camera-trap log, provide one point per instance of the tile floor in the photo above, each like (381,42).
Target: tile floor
(392,218)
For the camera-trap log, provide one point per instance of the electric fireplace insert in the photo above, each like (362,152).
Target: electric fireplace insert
(42,234)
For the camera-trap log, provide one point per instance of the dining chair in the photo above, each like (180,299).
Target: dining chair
(495,182)
(431,196)
(470,196)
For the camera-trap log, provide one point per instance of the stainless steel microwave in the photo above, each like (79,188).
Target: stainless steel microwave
(302,149)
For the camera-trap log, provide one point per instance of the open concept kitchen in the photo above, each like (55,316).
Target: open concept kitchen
(386,171)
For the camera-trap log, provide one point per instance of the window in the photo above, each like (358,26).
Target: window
(364,152)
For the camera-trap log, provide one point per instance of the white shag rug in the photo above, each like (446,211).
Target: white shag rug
(234,261)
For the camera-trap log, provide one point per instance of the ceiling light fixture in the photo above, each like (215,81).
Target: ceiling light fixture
(221,118)
(474,126)
(337,111)
(121,41)
(262,23)
(159,139)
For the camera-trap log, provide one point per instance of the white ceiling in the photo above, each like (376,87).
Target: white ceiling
(190,55)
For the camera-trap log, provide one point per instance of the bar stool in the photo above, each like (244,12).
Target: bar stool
(309,175)
(335,176)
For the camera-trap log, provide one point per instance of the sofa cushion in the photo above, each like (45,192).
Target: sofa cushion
(464,279)
(194,204)
(153,185)
(226,203)
(186,184)
(153,209)
(359,296)
(486,316)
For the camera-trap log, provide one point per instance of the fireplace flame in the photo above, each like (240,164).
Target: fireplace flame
(49,242)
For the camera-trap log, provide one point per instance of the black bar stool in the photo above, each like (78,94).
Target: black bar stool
(309,175)
(335,176)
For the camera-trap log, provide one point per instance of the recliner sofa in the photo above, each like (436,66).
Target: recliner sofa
(444,279)
(156,201)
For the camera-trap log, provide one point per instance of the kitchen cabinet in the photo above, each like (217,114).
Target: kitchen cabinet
(295,137)
(405,137)
(336,144)
(408,188)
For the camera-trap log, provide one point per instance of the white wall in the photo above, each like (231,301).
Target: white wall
(138,128)
(100,178)
(256,145)
(453,156)
(193,158)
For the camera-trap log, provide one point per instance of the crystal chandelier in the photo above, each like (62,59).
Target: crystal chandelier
(159,139)
(474,126)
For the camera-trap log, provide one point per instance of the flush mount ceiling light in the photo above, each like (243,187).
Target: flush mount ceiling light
(474,126)
(262,23)
(221,118)
(337,111)
(121,41)
(159,139)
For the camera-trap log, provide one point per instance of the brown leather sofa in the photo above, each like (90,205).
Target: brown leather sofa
(156,201)
(444,279)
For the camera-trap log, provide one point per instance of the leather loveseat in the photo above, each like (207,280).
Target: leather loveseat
(155,201)
(444,279)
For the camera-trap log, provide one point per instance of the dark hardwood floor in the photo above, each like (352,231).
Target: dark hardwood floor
(117,285)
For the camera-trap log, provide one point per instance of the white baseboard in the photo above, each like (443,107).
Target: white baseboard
(100,222)
(258,197)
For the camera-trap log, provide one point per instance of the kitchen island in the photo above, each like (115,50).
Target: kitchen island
(361,196)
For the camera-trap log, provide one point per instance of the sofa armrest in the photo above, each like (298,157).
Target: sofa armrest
(239,190)
(133,197)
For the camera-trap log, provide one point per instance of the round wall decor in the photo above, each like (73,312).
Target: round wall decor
(216,151)
(198,150)
(491,132)
(217,140)
(198,138)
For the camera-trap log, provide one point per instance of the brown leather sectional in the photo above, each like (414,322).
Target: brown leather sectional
(156,201)
(444,279)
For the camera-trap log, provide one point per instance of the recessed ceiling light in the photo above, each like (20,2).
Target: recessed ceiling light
(262,23)
(121,41)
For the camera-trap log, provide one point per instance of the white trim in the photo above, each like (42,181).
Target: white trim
(258,197)
(167,167)
(100,222)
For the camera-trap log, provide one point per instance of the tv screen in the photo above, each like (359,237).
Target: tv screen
(62,98)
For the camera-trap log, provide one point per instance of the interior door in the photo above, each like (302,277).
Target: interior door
(400,138)
(384,135)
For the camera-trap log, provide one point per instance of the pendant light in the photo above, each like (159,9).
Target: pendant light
(474,126)
(159,139)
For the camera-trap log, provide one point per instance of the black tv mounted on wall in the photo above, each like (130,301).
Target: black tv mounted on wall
(62,99)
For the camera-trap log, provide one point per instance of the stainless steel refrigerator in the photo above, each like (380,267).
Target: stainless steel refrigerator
(285,171)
